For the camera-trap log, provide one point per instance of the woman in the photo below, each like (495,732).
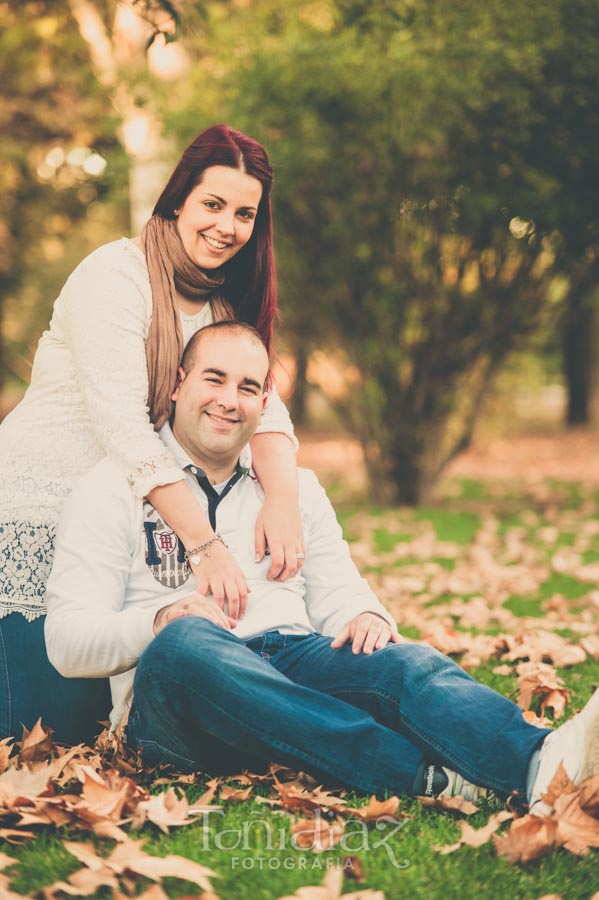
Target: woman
(101,384)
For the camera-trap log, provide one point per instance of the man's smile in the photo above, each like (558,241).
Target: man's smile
(221,420)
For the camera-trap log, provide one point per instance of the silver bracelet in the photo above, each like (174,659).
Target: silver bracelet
(193,556)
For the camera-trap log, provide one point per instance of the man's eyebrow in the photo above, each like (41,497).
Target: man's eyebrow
(224,202)
(249,381)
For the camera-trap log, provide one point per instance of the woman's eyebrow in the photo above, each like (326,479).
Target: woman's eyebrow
(224,202)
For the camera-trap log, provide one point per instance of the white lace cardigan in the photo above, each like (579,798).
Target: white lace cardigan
(87,399)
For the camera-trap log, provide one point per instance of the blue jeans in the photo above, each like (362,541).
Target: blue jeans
(31,687)
(366,722)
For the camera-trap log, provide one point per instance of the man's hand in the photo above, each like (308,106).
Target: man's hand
(367,632)
(194,605)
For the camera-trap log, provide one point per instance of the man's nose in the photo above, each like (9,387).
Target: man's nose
(227,396)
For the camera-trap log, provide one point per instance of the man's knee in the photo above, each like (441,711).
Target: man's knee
(185,646)
(419,662)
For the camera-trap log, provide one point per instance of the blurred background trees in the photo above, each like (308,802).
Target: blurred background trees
(436,193)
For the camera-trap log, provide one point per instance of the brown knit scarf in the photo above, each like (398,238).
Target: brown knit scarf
(171,271)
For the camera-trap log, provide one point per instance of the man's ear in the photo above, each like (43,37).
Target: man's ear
(265,397)
(181,376)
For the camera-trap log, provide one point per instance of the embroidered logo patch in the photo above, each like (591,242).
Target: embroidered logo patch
(165,554)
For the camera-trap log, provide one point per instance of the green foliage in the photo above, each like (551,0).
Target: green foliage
(421,223)
(54,117)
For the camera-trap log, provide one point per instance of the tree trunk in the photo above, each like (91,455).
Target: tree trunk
(577,350)
(297,402)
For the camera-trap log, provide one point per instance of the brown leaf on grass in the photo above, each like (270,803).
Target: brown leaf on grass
(15,836)
(528,838)
(130,857)
(317,834)
(504,669)
(330,889)
(154,892)
(476,837)
(165,810)
(107,795)
(576,830)
(82,883)
(19,786)
(589,795)
(542,645)
(449,804)
(375,809)
(235,795)
(446,640)
(5,892)
(561,783)
(207,797)
(537,679)
(551,897)
(36,744)
(590,644)
(353,868)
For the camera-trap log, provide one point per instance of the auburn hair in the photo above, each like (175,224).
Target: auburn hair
(251,279)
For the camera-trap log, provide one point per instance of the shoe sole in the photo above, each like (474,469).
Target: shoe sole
(590,757)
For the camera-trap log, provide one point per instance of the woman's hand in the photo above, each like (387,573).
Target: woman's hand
(279,527)
(218,574)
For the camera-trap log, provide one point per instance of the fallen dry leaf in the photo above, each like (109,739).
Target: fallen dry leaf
(576,830)
(330,889)
(476,837)
(537,679)
(317,834)
(528,838)
(165,810)
(449,804)
(353,868)
(235,795)
(375,809)
(36,744)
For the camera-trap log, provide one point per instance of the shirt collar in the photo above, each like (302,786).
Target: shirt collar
(184,460)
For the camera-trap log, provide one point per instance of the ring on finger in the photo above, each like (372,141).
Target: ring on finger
(300,555)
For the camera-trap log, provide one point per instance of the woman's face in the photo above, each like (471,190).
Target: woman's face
(217,218)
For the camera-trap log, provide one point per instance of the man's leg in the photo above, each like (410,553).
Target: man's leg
(418,692)
(197,679)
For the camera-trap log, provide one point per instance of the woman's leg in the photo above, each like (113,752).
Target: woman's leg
(31,687)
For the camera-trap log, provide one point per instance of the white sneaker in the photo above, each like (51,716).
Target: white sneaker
(442,782)
(575,744)
(458,786)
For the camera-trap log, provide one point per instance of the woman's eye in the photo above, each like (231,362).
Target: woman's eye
(211,204)
(248,216)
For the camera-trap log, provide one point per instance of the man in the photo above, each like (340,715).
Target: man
(365,709)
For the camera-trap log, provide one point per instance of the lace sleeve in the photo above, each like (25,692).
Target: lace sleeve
(105,311)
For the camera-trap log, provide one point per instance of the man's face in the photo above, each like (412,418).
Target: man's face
(220,401)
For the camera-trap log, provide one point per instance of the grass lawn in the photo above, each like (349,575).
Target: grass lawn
(481,564)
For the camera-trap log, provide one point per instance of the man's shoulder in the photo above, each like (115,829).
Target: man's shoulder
(312,495)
